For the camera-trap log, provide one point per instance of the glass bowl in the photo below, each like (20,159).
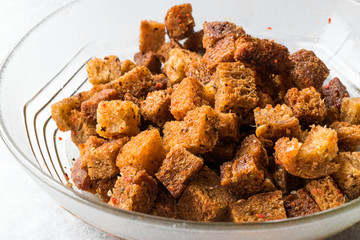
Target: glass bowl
(48,64)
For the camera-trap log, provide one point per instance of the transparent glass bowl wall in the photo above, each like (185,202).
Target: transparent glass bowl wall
(48,65)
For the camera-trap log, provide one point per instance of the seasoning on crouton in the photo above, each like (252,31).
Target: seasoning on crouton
(167,47)
(104,188)
(308,70)
(178,169)
(264,99)
(306,105)
(204,199)
(81,178)
(81,128)
(117,118)
(150,60)
(348,135)
(165,204)
(325,193)
(61,112)
(160,82)
(152,36)
(126,66)
(228,127)
(194,42)
(252,146)
(103,71)
(198,70)
(348,175)
(179,21)
(299,203)
(350,110)
(258,208)
(285,181)
(134,190)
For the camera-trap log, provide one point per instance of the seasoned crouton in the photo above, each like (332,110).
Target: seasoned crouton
(236,90)
(104,188)
(228,126)
(348,175)
(204,199)
(258,208)
(194,42)
(156,107)
(103,71)
(81,178)
(150,60)
(167,47)
(178,169)
(160,82)
(198,70)
(325,193)
(306,105)
(165,204)
(284,181)
(152,36)
(116,118)
(264,99)
(210,91)
(299,203)
(222,152)
(350,110)
(308,70)
(348,135)
(265,55)
(253,147)
(61,112)
(188,95)
(179,21)
(81,128)
(126,66)
(134,190)
(91,143)
(144,151)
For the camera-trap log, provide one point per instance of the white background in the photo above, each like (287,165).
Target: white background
(27,212)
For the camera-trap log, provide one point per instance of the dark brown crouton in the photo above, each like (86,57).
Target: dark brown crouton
(160,82)
(152,36)
(258,208)
(325,193)
(285,181)
(350,110)
(104,188)
(252,146)
(130,98)
(348,175)
(103,71)
(165,204)
(204,199)
(134,190)
(167,47)
(348,135)
(81,128)
(264,99)
(299,203)
(266,56)
(188,95)
(150,60)
(308,70)
(61,112)
(179,21)
(198,70)
(222,152)
(194,42)
(178,169)
(81,178)
(306,105)
(236,90)
(228,127)
(156,107)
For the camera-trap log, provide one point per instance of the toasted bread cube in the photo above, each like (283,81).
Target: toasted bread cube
(348,175)
(306,105)
(215,31)
(308,70)
(150,60)
(264,99)
(265,55)
(90,144)
(156,107)
(221,153)
(284,181)
(236,90)
(276,122)
(210,91)
(81,128)
(286,152)
(252,146)
(165,204)
(228,127)
(179,21)
(134,190)
(188,95)
(117,118)
(104,188)
(194,42)
(167,47)
(152,36)
(81,178)
(61,112)
(160,82)
(176,64)
(144,151)
(350,110)
(258,208)
(348,135)
(325,193)
(178,169)
(126,66)
(204,199)
(299,203)
(103,71)
(198,133)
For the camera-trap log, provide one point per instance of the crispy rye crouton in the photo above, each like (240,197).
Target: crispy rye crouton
(167,47)
(194,42)
(165,204)
(150,60)
(179,21)
(103,71)
(285,181)
(228,127)
(300,204)
(81,128)
(152,36)
(350,110)
(348,135)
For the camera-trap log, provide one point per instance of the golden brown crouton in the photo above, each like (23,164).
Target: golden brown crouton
(348,175)
(188,95)
(61,112)
(258,208)
(350,110)
(228,127)
(179,21)
(144,151)
(134,190)
(150,60)
(348,135)
(210,91)
(156,107)
(308,70)
(299,203)
(178,169)
(325,193)
(152,36)
(306,105)
(165,204)
(204,199)
(194,42)
(126,66)
(117,118)
(198,70)
(103,71)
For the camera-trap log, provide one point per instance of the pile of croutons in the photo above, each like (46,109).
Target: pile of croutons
(223,126)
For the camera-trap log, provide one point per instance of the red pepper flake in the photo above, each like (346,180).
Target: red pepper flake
(346,95)
(269,28)
(104,105)
(60,138)
(172,188)
(314,191)
(326,86)
(113,200)
(128,179)
(66,176)
(275,61)
(259,215)
(329,20)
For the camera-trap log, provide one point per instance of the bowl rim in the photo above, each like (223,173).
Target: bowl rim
(39,175)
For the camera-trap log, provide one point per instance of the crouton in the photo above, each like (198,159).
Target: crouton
(178,169)
(284,181)
(143,152)
(160,82)
(150,60)
(264,99)
(152,36)
(350,110)
(306,105)
(252,146)
(198,70)
(194,42)
(167,47)
(325,193)
(204,199)
(156,107)
(81,128)
(103,71)
(165,204)
(126,66)
(258,208)
(81,178)
(134,190)
(228,127)
(209,93)
(348,135)
(308,70)
(61,112)
(104,188)
(348,175)
(222,152)
(299,203)
(179,21)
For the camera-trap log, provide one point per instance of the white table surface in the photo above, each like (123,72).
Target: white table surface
(26,211)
